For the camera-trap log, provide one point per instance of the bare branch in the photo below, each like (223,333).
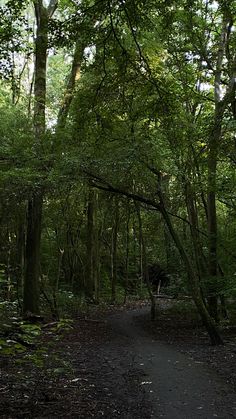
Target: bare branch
(52,7)
(104,185)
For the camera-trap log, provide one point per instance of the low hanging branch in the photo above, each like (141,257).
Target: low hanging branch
(102,184)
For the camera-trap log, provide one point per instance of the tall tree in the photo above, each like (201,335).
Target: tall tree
(221,102)
(35,204)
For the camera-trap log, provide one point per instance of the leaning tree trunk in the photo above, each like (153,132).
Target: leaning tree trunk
(207,320)
(193,281)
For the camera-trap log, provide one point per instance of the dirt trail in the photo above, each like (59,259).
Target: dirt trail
(177,387)
(111,366)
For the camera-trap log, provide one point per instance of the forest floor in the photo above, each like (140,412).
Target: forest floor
(117,364)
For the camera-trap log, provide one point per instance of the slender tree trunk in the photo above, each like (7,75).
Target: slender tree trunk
(141,273)
(20,254)
(56,284)
(213,150)
(211,206)
(193,219)
(145,264)
(114,252)
(127,241)
(168,241)
(89,286)
(96,253)
(194,285)
(8,268)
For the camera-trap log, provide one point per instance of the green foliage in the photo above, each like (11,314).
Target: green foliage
(21,337)
(11,347)
(64,325)
(143,107)
(29,331)
(14,33)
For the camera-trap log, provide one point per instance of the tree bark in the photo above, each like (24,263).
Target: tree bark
(32,255)
(35,204)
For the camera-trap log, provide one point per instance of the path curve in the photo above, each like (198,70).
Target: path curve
(177,386)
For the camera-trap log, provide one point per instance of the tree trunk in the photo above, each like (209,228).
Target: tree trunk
(127,241)
(73,78)
(213,147)
(145,265)
(35,204)
(211,207)
(114,252)
(193,219)
(20,254)
(96,253)
(89,285)
(32,256)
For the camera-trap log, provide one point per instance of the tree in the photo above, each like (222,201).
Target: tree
(35,204)
(126,100)
(133,118)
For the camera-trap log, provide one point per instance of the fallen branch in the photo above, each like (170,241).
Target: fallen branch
(86,319)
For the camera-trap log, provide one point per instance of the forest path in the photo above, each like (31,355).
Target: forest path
(114,365)
(177,386)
